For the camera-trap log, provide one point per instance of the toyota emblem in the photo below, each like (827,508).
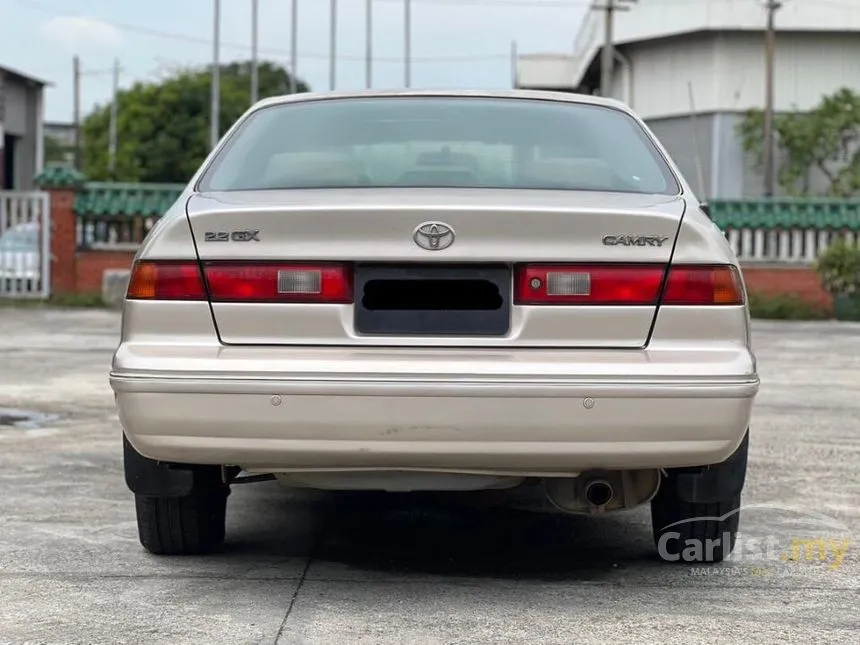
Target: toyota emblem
(433,236)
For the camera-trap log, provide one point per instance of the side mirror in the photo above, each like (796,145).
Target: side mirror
(706,209)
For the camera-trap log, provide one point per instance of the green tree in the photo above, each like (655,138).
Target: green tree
(163,127)
(827,139)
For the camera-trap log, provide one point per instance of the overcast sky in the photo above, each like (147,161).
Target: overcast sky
(455,43)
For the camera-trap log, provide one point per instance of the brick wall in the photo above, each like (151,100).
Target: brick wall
(779,279)
(91,265)
(75,271)
(81,271)
(63,242)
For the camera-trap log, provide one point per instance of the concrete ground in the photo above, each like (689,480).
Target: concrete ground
(316,569)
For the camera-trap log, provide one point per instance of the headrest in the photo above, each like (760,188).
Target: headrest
(311,168)
(583,174)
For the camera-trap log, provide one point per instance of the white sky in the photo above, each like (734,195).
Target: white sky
(455,43)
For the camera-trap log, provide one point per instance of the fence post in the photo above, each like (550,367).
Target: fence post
(63,184)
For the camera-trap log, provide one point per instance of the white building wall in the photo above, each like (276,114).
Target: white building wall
(652,19)
(663,72)
(547,71)
(726,72)
(807,66)
(15,113)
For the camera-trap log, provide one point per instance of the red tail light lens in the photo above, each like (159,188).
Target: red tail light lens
(324,283)
(703,285)
(589,284)
(628,285)
(166,281)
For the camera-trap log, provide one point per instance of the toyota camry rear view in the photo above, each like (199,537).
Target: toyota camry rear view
(438,291)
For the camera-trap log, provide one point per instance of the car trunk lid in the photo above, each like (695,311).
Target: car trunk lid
(430,266)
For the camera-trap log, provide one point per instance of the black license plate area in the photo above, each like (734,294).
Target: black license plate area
(432,300)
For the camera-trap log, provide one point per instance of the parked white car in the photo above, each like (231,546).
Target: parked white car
(19,252)
(438,291)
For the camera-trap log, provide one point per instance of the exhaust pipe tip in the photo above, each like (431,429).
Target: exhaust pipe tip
(599,492)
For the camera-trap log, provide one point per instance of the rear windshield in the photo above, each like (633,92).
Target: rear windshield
(464,142)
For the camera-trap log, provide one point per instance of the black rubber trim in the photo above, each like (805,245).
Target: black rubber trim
(151,478)
(715,483)
(665,277)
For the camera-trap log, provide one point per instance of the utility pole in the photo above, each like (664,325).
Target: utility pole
(772,6)
(114,109)
(215,116)
(515,76)
(294,51)
(368,44)
(332,72)
(607,59)
(76,83)
(407,43)
(255,72)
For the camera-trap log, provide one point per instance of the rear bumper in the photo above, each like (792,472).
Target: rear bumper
(513,412)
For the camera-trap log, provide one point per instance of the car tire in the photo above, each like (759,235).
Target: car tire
(189,525)
(689,543)
(695,517)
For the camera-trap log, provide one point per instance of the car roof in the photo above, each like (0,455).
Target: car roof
(542,95)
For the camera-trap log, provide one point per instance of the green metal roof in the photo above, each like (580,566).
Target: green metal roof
(152,200)
(125,200)
(56,176)
(786,213)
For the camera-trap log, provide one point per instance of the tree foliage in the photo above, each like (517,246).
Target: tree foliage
(163,127)
(825,139)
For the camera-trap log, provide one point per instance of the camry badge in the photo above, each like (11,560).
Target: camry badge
(635,240)
(433,236)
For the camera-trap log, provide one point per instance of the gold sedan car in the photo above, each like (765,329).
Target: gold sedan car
(420,290)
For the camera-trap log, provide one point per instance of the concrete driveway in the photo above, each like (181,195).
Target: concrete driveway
(304,568)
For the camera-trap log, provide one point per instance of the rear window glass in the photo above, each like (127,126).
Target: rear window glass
(429,142)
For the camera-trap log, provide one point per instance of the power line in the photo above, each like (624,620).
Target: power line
(453,58)
(159,33)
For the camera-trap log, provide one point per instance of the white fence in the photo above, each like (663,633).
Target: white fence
(793,246)
(25,244)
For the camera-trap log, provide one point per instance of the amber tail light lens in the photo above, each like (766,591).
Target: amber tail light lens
(703,285)
(166,281)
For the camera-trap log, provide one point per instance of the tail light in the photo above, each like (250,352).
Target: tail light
(589,284)
(324,283)
(703,285)
(166,281)
(234,282)
(627,284)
